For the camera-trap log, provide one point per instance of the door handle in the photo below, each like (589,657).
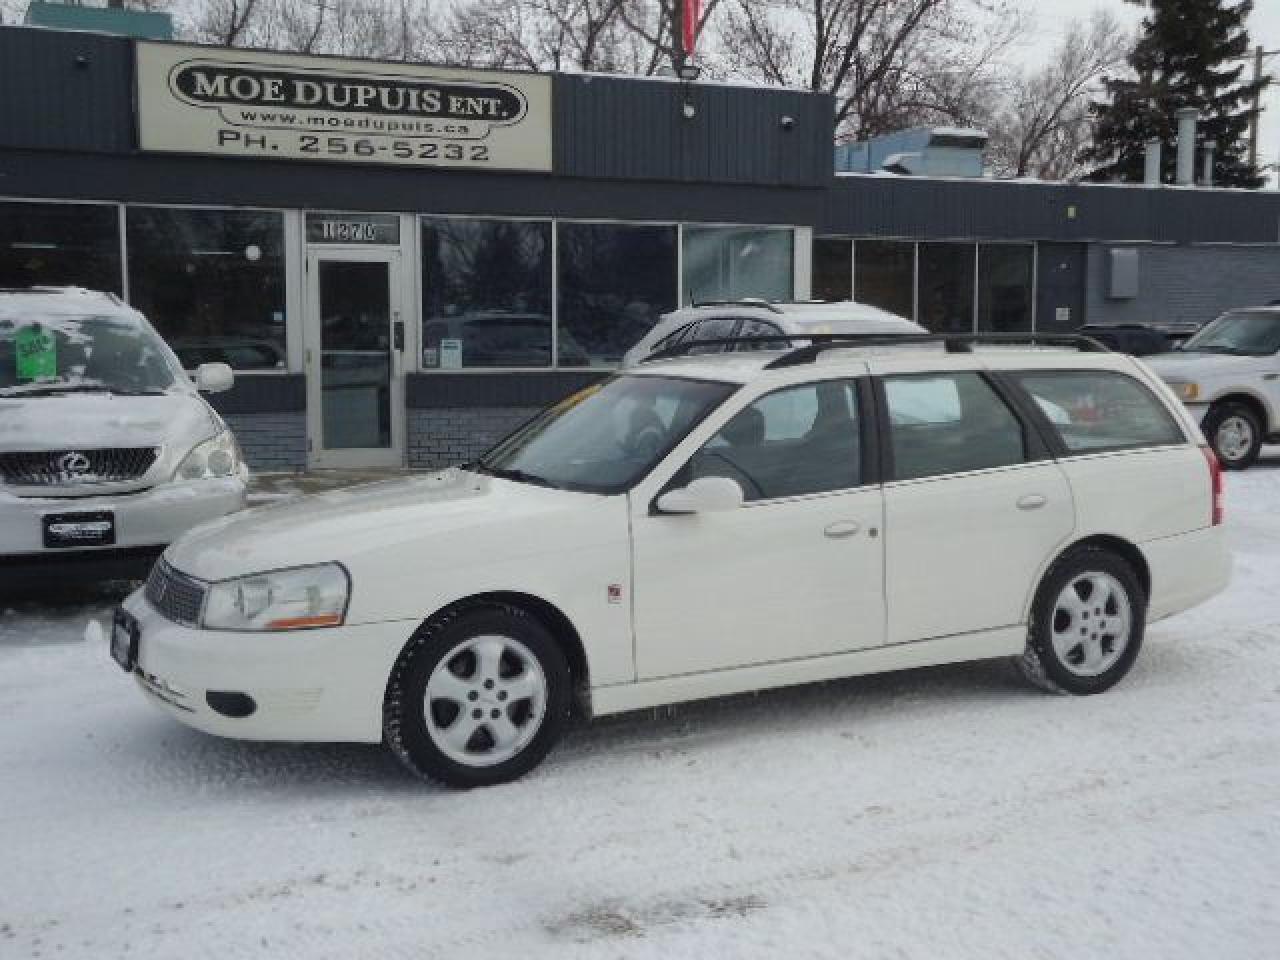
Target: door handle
(1032,501)
(840,529)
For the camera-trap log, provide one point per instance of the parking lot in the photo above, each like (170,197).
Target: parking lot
(944,812)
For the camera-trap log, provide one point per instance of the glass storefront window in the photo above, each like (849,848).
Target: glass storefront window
(1004,287)
(58,244)
(615,281)
(832,268)
(946,287)
(486,293)
(733,263)
(212,282)
(884,275)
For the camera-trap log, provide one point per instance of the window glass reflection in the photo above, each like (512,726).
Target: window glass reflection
(885,275)
(1004,287)
(60,244)
(832,268)
(946,287)
(616,280)
(486,295)
(734,263)
(212,283)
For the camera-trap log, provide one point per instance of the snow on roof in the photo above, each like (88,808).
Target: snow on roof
(61,301)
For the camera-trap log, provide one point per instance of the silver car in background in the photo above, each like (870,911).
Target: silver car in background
(107,450)
(763,318)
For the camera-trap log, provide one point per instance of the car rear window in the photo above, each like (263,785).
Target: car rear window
(1096,410)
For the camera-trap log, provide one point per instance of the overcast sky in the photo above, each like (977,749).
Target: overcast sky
(1050,19)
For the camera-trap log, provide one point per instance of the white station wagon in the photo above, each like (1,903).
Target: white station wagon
(695,527)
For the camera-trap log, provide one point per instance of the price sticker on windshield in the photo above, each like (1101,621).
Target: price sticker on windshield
(36,352)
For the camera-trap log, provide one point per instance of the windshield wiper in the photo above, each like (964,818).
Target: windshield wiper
(510,473)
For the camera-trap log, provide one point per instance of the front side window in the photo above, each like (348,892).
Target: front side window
(1100,410)
(212,282)
(49,353)
(943,423)
(1249,333)
(486,295)
(797,441)
(605,438)
(60,244)
(616,281)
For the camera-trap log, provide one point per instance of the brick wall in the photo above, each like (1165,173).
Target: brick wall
(271,441)
(443,436)
(1184,283)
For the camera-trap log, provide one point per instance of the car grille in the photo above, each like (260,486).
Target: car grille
(175,595)
(49,468)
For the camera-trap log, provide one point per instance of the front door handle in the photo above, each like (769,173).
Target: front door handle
(1032,501)
(841,529)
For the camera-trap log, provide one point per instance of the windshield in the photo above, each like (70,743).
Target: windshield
(605,438)
(1253,333)
(51,354)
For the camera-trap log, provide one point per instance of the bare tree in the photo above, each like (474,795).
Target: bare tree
(655,27)
(384,29)
(1041,123)
(887,62)
(534,34)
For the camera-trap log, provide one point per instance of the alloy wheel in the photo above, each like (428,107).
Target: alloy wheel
(485,700)
(1234,438)
(1092,623)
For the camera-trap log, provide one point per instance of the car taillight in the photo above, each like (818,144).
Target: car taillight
(1218,505)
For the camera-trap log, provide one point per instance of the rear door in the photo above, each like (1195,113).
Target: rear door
(974,504)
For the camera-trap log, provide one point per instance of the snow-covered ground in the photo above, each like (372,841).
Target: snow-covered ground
(943,813)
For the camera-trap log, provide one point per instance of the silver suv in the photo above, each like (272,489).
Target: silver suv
(763,319)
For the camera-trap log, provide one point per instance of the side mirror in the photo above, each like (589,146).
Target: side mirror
(704,495)
(214,377)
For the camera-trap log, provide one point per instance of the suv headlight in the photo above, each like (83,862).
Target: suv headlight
(219,456)
(298,598)
(1186,391)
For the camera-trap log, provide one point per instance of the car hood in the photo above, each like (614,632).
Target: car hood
(1190,366)
(177,421)
(435,516)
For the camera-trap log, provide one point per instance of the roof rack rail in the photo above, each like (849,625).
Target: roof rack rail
(815,344)
(741,302)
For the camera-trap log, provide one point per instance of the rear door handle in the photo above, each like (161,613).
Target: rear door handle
(1032,501)
(844,528)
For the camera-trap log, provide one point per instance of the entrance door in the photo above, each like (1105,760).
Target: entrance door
(354,359)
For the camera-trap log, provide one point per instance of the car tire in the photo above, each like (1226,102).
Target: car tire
(478,697)
(1087,623)
(1234,431)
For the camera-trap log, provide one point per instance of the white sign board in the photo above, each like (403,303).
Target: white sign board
(242,103)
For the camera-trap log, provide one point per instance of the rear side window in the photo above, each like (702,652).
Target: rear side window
(1094,410)
(760,328)
(949,423)
(713,328)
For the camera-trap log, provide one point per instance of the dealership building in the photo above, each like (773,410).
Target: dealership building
(402,262)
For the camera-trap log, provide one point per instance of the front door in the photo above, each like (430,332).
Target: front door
(796,572)
(354,359)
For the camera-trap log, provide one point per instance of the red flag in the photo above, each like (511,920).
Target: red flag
(689,25)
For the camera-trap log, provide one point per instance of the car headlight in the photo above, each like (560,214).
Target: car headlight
(298,598)
(219,456)
(1186,391)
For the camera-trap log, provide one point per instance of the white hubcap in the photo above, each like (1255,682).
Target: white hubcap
(1234,438)
(485,700)
(1092,621)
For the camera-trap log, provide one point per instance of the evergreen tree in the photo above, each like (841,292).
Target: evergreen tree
(1190,53)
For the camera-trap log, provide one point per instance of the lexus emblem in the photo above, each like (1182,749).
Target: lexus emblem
(74,463)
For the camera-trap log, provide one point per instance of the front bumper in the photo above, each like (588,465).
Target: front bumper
(148,518)
(306,685)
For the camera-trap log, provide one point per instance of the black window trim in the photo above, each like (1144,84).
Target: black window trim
(1035,448)
(1057,445)
(868,440)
